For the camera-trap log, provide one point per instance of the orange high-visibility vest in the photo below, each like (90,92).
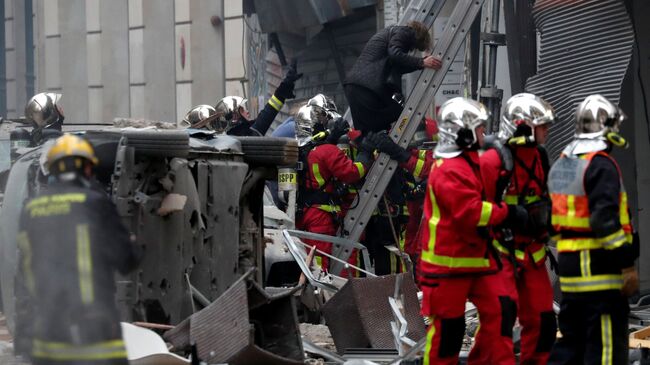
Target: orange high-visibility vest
(571,220)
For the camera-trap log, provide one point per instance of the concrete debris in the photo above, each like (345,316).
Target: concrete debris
(318,334)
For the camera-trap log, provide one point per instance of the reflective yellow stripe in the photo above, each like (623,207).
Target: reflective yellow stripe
(362,170)
(606,339)
(486,212)
(418,168)
(570,222)
(585,263)
(85,265)
(26,249)
(316,171)
(614,240)
(113,349)
(571,206)
(329,208)
(624,212)
(514,199)
(539,254)
(430,333)
(519,254)
(275,103)
(581,284)
(428,252)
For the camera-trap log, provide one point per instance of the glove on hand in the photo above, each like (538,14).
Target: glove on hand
(285,90)
(339,128)
(386,145)
(517,216)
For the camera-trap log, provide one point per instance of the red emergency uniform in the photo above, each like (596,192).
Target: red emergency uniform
(456,265)
(419,166)
(532,289)
(321,208)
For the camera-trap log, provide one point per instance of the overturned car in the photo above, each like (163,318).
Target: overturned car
(192,200)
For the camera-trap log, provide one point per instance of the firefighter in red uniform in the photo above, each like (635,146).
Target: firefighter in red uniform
(325,169)
(419,168)
(595,241)
(456,263)
(524,128)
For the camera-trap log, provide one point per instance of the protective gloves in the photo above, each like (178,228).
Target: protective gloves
(339,127)
(385,144)
(285,90)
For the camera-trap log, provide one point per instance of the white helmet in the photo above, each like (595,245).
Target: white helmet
(597,122)
(458,119)
(42,110)
(527,109)
(229,111)
(197,117)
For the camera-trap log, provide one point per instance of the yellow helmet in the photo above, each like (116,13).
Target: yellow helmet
(69,145)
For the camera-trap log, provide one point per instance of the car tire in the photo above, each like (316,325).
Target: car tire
(159,143)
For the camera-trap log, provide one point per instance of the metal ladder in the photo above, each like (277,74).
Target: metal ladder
(415,108)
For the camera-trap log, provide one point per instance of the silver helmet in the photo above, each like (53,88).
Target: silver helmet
(598,121)
(229,110)
(526,109)
(43,110)
(458,119)
(307,121)
(197,117)
(324,107)
(596,116)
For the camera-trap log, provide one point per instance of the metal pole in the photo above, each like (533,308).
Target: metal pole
(29,49)
(3,65)
(490,95)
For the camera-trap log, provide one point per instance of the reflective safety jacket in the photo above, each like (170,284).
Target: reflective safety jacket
(71,242)
(326,165)
(527,185)
(455,239)
(591,218)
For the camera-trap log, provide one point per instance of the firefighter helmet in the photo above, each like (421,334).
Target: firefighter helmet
(308,122)
(459,118)
(230,110)
(596,116)
(68,154)
(197,117)
(323,108)
(524,109)
(42,110)
(598,122)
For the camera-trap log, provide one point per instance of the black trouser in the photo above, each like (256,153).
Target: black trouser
(594,331)
(378,235)
(371,112)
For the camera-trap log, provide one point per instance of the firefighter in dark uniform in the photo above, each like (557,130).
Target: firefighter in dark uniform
(71,242)
(595,240)
(232,116)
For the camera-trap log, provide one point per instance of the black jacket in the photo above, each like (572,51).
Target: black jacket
(71,243)
(259,126)
(384,60)
(602,185)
